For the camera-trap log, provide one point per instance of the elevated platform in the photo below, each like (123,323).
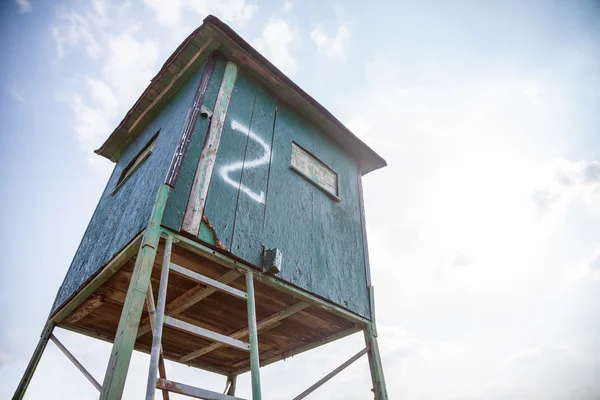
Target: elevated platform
(289,320)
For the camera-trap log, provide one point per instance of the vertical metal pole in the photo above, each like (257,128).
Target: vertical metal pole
(379,388)
(34,361)
(120,357)
(151,315)
(253,336)
(230,385)
(158,320)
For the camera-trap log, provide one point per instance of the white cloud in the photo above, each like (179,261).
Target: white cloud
(332,46)
(288,5)
(24,6)
(361,128)
(74,29)
(169,13)
(463,166)
(129,65)
(125,66)
(277,42)
(568,182)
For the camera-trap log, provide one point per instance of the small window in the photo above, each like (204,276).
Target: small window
(136,162)
(315,171)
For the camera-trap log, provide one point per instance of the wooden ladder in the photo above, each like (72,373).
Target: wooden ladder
(157,376)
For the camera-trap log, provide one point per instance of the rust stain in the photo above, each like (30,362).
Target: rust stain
(212,229)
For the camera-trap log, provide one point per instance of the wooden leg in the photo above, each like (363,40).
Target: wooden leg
(379,388)
(230,385)
(253,336)
(120,357)
(34,361)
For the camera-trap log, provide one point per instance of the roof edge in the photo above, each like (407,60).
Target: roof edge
(227,38)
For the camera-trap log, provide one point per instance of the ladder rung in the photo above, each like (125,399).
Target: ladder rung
(205,333)
(192,391)
(208,281)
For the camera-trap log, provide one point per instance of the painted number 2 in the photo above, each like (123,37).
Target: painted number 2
(225,170)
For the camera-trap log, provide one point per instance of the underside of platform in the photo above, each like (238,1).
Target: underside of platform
(287,324)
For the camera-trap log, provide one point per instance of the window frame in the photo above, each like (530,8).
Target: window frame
(311,180)
(136,162)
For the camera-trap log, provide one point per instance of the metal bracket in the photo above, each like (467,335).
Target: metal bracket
(205,112)
(272,261)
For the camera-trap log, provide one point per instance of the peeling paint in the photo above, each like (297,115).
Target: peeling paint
(218,243)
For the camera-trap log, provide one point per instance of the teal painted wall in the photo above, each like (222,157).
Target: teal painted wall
(255,199)
(119,217)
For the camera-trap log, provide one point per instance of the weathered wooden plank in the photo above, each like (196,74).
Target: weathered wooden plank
(191,391)
(333,373)
(118,364)
(261,325)
(249,215)
(76,362)
(363,225)
(202,178)
(113,265)
(338,270)
(225,183)
(205,333)
(290,199)
(87,307)
(181,193)
(315,171)
(189,298)
(188,129)
(198,278)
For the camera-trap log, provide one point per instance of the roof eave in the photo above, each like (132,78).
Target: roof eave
(213,34)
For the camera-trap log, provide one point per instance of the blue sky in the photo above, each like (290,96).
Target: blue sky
(483,230)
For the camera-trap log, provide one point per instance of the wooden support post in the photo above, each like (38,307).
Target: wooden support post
(155,354)
(195,207)
(253,336)
(330,375)
(230,385)
(34,361)
(79,366)
(379,388)
(120,357)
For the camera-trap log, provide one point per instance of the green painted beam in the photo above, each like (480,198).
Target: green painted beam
(118,364)
(375,364)
(253,336)
(34,361)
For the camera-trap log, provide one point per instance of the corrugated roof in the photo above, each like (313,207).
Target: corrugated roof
(213,35)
